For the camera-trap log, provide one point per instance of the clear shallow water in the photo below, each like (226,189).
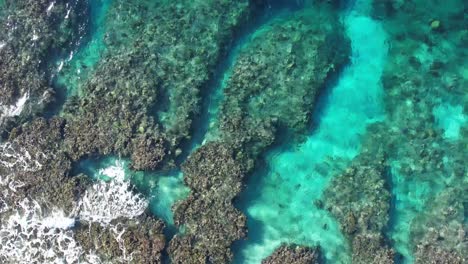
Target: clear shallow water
(73,70)
(280,198)
(279,202)
(163,189)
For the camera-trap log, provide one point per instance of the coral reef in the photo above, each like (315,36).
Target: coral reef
(189,39)
(33,32)
(371,248)
(293,254)
(210,220)
(34,167)
(33,160)
(115,115)
(440,233)
(278,75)
(273,84)
(138,240)
(158,78)
(359,199)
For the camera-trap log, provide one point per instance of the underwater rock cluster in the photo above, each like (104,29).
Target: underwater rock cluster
(114,116)
(30,32)
(360,201)
(273,85)
(211,222)
(159,78)
(139,240)
(294,255)
(277,77)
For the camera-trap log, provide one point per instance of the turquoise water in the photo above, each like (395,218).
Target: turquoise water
(74,70)
(280,204)
(282,198)
(161,189)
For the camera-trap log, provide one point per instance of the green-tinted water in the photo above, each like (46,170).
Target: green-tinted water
(73,71)
(404,91)
(280,201)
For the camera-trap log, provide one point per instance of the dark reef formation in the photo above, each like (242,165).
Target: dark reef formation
(142,242)
(358,198)
(115,114)
(440,233)
(411,139)
(293,254)
(277,77)
(141,99)
(31,33)
(290,60)
(210,220)
(33,160)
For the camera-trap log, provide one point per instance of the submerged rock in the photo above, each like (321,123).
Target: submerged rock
(371,248)
(293,254)
(273,85)
(139,240)
(440,233)
(115,115)
(210,220)
(360,201)
(33,160)
(278,76)
(32,32)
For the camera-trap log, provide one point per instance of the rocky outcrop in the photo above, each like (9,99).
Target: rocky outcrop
(273,85)
(360,201)
(293,254)
(210,220)
(139,240)
(31,33)
(278,76)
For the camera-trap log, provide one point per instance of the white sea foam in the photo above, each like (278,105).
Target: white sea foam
(29,237)
(50,7)
(19,158)
(116,171)
(34,235)
(106,201)
(14,110)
